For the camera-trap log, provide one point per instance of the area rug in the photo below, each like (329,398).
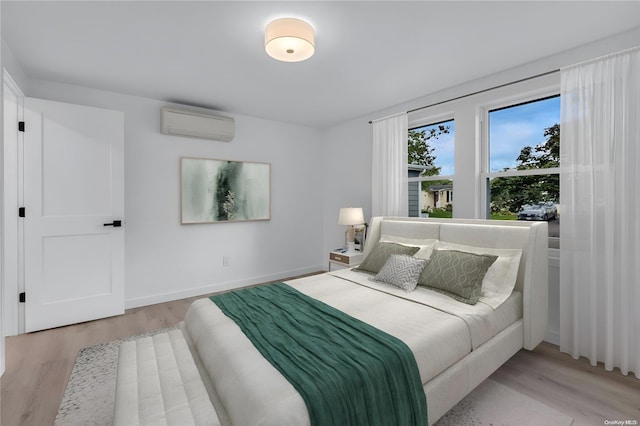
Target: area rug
(493,404)
(89,397)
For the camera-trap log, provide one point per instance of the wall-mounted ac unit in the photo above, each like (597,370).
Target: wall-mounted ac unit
(196,124)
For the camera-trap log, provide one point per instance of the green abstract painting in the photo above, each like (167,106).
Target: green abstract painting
(224,191)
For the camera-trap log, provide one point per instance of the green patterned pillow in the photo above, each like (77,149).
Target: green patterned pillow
(457,274)
(379,255)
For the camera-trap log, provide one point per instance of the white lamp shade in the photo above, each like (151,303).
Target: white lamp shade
(289,40)
(351,216)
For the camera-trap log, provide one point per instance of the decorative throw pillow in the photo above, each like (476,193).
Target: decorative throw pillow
(425,245)
(457,274)
(501,277)
(401,271)
(379,255)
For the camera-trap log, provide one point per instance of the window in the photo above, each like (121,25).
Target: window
(431,169)
(523,181)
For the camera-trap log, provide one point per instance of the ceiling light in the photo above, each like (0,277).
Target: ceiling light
(289,40)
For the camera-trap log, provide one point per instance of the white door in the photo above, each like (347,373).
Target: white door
(73,190)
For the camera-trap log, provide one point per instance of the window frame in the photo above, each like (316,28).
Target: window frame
(430,120)
(486,174)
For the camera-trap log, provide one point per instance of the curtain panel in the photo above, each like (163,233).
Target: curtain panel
(600,202)
(389,181)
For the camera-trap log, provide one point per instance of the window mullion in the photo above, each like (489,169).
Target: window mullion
(429,178)
(526,172)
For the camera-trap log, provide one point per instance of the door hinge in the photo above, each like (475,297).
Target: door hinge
(23,297)
(22,212)
(21,126)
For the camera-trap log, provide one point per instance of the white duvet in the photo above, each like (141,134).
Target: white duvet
(438,330)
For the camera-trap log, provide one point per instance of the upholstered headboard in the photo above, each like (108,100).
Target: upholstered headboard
(530,237)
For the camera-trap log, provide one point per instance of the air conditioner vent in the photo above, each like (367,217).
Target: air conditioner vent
(196,124)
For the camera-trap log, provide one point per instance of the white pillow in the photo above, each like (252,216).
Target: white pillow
(500,279)
(426,244)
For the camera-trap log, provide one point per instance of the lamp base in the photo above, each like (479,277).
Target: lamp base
(351,247)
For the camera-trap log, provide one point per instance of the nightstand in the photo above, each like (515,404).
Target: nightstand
(345,259)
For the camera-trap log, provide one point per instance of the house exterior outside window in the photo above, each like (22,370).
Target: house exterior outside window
(430,169)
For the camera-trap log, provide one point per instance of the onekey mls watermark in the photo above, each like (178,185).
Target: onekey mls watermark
(621,422)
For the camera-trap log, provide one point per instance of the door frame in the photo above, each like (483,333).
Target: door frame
(13,241)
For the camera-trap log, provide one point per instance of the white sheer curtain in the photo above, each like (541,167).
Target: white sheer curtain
(389,184)
(600,201)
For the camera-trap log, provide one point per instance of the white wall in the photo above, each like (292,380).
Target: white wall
(1,222)
(347,178)
(553,327)
(165,260)
(14,68)
(356,135)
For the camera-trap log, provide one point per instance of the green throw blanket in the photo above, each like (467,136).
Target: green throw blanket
(347,372)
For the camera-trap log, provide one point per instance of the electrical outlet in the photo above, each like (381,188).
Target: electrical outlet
(225,260)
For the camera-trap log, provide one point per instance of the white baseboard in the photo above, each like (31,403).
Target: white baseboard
(230,285)
(553,336)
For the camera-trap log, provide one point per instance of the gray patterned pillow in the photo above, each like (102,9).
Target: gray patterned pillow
(379,255)
(401,271)
(457,274)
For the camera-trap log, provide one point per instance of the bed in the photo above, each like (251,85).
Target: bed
(461,346)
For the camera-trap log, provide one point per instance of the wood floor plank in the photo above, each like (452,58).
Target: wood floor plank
(591,395)
(38,366)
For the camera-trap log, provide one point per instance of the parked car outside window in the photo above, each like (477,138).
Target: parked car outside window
(539,211)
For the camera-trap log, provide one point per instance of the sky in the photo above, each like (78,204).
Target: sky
(510,130)
(444,145)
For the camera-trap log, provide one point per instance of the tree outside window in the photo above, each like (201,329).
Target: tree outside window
(524,161)
(509,194)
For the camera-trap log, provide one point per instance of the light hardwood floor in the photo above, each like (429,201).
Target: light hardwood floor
(38,366)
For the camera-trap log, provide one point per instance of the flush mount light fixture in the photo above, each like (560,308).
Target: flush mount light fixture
(289,40)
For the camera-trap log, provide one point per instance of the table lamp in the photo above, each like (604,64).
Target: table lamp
(350,216)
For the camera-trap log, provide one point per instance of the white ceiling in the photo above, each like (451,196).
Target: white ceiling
(369,55)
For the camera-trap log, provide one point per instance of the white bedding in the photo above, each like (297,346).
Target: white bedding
(243,378)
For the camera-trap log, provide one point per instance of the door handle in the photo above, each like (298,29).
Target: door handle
(115,224)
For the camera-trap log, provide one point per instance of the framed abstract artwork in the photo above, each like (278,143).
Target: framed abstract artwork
(224,191)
